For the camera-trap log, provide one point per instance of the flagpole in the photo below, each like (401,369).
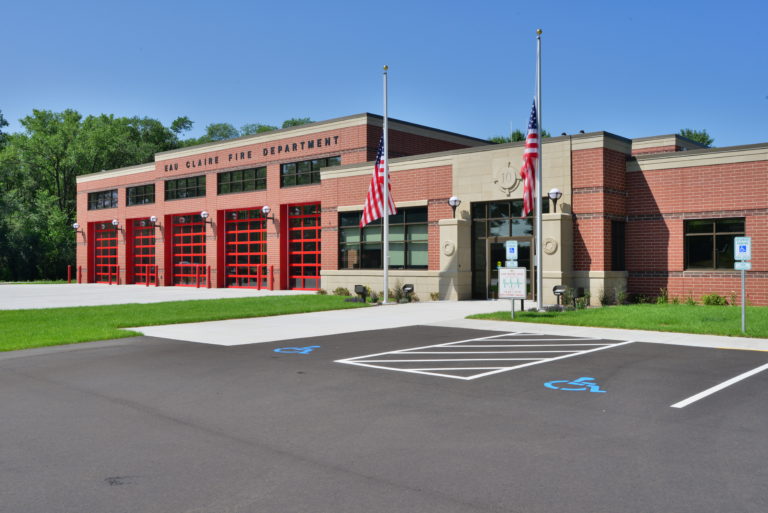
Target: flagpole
(385,205)
(539,270)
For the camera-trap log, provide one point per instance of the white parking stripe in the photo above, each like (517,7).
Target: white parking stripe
(717,388)
(447,350)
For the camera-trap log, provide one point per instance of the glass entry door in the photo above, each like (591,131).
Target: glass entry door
(496,257)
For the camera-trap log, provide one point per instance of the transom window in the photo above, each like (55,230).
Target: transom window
(709,242)
(141,195)
(102,199)
(306,172)
(361,248)
(181,188)
(242,180)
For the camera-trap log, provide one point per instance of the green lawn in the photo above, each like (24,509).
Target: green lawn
(710,320)
(24,329)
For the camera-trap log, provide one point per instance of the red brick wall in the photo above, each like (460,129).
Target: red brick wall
(655,149)
(599,195)
(660,201)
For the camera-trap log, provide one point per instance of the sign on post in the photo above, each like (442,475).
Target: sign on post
(512,284)
(510,249)
(742,248)
(742,253)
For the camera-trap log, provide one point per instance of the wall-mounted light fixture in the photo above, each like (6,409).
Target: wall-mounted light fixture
(76,227)
(205,215)
(266,210)
(555,194)
(116,224)
(153,220)
(454,202)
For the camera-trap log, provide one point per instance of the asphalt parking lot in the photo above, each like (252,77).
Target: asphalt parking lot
(416,419)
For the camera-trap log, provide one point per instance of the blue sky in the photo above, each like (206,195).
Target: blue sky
(635,69)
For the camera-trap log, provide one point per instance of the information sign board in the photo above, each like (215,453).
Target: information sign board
(742,266)
(512,283)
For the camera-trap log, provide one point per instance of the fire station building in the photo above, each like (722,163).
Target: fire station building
(281,210)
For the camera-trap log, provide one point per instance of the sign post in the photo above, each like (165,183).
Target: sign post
(742,254)
(512,284)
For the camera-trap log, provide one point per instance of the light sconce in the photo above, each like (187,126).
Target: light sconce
(116,224)
(454,202)
(555,194)
(153,220)
(205,215)
(76,227)
(266,210)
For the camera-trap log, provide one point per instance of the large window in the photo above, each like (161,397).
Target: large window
(141,195)
(102,199)
(361,248)
(709,242)
(306,172)
(242,180)
(191,187)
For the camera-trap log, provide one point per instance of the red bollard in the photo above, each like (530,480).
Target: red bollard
(208,279)
(197,276)
(271,277)
(80,274)
(69,274)
(157,276)
(258,277)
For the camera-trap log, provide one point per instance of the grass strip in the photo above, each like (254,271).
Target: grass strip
(25,329)
(706,320)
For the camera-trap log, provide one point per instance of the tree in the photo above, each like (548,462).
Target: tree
(699,136)
(516,136)
(37,181)
(3,137)
(181,124)
(256,128)
(296,122)
(220,132)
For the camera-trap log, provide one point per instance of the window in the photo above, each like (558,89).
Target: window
(618,231)
(709,242)
(306,172)
(102,199)
(141,195)
(181,188)
(242,180)
(362,248)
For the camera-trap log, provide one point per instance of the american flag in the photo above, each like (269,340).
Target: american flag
(530,155)
(375,199)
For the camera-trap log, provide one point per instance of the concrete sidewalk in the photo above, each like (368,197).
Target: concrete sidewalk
(433,313)
(24,296)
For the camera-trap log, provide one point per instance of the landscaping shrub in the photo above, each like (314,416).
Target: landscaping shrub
(606,298)
(714,300)
(663,297)
(341,291)
(322,292)
(434,296)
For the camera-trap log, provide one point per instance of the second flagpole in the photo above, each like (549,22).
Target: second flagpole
(539,188)
(385,203)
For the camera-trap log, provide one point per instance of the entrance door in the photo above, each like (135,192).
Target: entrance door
(496,256)
(246,248)
(142,256)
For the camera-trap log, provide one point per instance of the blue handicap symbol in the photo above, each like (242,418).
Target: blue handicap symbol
(296,350)
(579,385)
(742,249)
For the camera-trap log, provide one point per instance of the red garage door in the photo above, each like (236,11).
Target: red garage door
(304,246)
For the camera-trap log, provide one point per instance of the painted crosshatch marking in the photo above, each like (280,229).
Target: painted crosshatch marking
(479,357)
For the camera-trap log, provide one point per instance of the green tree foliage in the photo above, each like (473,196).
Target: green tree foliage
(181,124)
(516,136)
(699,136)
(38,168)
(3,123)
(256,128)
(296,122)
